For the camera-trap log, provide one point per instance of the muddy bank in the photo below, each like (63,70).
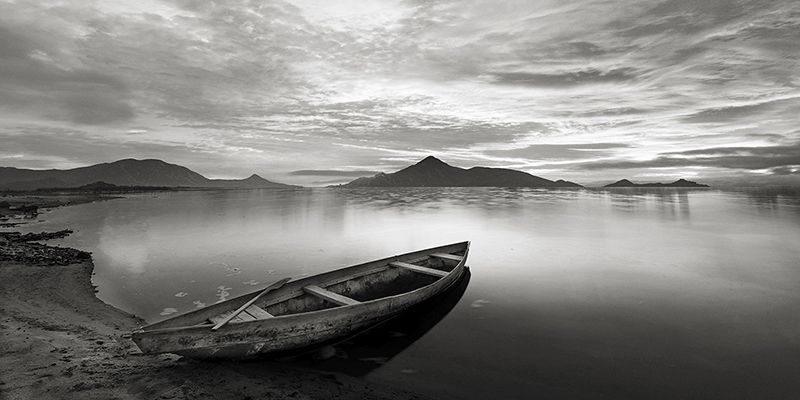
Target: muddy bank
(19,208)
(59,341)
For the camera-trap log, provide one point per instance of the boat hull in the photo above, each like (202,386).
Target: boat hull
(288,332)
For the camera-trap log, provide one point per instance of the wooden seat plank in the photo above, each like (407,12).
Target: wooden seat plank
(258,312)
(420,269)
(251,313)
(445,256)
(245,316)
(217,318)
(330,296)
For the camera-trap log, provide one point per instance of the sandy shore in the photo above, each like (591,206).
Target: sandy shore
(59,341)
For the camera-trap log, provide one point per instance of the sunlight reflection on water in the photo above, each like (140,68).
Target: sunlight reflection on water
(573,292)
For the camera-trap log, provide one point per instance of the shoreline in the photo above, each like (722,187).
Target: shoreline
(60,341)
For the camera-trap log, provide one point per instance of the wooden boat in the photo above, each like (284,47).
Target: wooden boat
(309,311)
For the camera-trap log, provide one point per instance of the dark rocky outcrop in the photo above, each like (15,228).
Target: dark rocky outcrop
(17,248)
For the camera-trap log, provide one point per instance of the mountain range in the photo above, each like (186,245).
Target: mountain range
(432,172)
(680,183)
(128,172)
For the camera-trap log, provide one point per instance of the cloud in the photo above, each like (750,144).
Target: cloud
(75,148)
(581,49)
(332,172)
(581,77)
(792,170)
(612,111)
(683,16)
(35,83)
(750,158)
(234,85)
(574,151)
(765,151)
(743,112)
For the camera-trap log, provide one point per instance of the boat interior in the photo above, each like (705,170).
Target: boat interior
(347,286)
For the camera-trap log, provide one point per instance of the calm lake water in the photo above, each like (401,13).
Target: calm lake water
(576,294)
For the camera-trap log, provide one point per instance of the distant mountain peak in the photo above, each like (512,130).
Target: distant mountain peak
(433,172)
(98,185)
(137,161)
(431,160)
(125,172)
(684,182)
(680,183)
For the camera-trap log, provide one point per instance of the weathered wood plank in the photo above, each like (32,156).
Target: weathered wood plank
(352,276)
(258,312)
(245,316)
(239,310)
(446,256)
(330,296)
(249,314)
(420,269)
(219,318)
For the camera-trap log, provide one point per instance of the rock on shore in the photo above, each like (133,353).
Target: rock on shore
(18,248)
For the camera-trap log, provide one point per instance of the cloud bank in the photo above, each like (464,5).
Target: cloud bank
(583,91)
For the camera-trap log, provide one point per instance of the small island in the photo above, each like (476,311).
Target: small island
(680,183)
(432,172)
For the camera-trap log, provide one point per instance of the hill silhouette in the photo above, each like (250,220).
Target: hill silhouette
(432,172)
(128,172)
(680,183)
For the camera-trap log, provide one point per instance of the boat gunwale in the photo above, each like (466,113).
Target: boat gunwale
(144,331)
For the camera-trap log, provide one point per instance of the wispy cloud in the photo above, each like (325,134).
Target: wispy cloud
(748,158)
(747,112)
(580,77)
(574,151)
(35,83)
(233,87)
(332,172)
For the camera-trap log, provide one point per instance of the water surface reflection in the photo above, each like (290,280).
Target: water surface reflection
(574,293)
(370,350)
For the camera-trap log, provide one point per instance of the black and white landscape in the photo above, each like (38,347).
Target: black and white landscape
(143,173)
(500,199)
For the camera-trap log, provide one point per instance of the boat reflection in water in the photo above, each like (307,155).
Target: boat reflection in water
(361,354)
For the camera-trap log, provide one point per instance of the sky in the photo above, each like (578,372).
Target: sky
(316,92)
